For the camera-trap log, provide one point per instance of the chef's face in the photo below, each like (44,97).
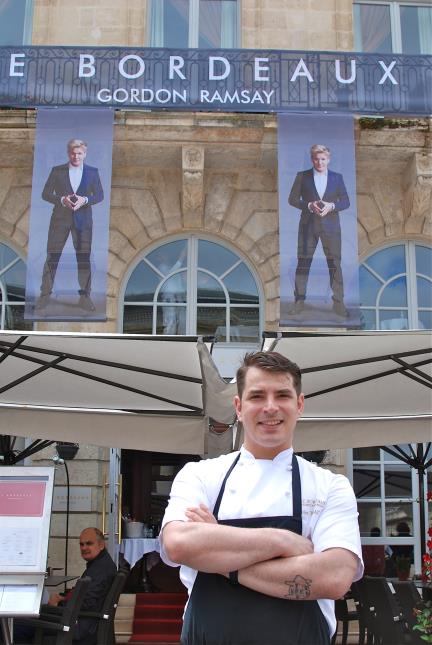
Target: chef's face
(320,161)
(269,409)
(90,545)
(76,155)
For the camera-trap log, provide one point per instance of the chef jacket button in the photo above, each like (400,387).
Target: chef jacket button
(232,490)
(287,493)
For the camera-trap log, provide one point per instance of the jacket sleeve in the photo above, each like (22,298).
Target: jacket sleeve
(296,197)
(49,193)
(95,192)
(341,200)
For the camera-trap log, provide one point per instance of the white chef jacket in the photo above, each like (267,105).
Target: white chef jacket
(262,488)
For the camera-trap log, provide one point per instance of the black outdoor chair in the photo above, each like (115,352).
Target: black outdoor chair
(105,617)
(365,612)
(60,630)
(408,596)
(388,624)
(345,615)
(105,631)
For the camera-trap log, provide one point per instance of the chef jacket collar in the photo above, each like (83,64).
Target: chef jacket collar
(282,459)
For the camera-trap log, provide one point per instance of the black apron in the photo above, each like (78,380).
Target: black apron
(220,613)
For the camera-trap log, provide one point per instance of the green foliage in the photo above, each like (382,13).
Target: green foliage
(423,614)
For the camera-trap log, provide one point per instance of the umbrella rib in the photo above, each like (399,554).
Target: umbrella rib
(12,348)
(362,361)
(30,375)
(91,377)
(371,377)
(97,361)
(412,368)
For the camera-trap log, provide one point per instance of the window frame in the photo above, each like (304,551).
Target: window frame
(410,273)
(28,23)
(192,305)
(395,22)
(193,26)
(5,302)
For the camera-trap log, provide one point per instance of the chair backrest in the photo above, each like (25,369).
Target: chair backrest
(408,596)
(71,610)
(388,623)
(105,631)
(364,606)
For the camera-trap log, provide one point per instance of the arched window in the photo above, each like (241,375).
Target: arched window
(12,286)
(193,286)
(396,288)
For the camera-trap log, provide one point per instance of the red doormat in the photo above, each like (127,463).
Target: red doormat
(158,617)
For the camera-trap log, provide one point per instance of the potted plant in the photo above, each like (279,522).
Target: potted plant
(423,611)
(403,565)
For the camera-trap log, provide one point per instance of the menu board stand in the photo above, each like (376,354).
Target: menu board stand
(25,515)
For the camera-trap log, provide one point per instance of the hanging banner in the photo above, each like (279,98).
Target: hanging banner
(69,220)
(317,221)
(240,80)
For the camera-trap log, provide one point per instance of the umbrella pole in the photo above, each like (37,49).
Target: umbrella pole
(421,472)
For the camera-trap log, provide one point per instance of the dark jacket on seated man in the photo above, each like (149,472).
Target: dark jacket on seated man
(101,570)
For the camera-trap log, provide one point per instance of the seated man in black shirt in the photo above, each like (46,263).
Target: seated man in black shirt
(101,569)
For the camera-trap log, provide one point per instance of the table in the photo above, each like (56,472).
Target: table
(133,549)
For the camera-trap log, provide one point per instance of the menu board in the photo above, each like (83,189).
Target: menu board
(25,513)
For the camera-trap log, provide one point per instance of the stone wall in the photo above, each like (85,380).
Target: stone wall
(217,175)
(276,24)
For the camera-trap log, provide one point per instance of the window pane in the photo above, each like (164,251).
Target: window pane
(371,453)
(169,23)
(372,28)
(6,256)
(14,318)
(366,481)
(171,320)
(416,28)
(423,260)
(138,320)
(388,262)
(241,286)
(393,319)
(395,294)
(215,258)
(169,257)
(14,279)
(244,325)
(174,289)
(142,284)
(388,457)
(211,321)
(397,481)
(396,513)
(209,290)
(369,287)
(12,20)
(424,292)
(367,319)
(369,516)
(425,319)
(217,23)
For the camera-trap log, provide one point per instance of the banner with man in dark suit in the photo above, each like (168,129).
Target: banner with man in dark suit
(69,225)
(318,222)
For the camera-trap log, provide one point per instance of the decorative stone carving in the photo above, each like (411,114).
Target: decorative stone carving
(193,186)
(417,182)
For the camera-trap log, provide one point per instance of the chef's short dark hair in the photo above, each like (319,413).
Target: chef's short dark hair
(272,362)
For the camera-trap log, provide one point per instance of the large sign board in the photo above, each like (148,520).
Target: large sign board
(239,80)
(25,513)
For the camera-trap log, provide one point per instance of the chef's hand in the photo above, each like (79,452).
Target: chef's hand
(327,208)
(296,544)
(80,201)
(200,514)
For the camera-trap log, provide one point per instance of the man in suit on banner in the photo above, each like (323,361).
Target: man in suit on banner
(73,188)
(320,194)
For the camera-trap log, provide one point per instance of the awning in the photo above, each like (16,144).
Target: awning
(123,391)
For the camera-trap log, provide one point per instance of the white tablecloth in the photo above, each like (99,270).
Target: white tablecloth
(133,549)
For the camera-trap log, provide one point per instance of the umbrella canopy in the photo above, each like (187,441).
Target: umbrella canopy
(124,391)
(361,388)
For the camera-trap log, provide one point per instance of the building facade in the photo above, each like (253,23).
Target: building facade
(205,185)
